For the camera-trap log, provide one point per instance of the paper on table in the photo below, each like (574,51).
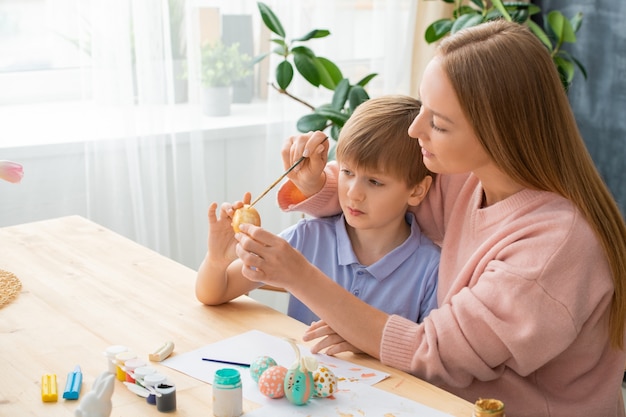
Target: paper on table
(246,347)
(352,399)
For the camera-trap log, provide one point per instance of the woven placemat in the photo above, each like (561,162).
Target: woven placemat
(10,287)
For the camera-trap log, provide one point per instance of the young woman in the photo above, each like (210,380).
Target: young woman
(531,292)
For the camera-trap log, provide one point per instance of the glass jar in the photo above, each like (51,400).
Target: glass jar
(488,408)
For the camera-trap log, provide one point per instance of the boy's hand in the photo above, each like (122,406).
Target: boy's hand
(308,176)
(221,242)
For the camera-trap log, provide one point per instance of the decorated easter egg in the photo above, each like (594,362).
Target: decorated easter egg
(271,382)
(299,385)
(325,382)
(260,365)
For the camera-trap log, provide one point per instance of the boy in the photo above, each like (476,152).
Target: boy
(374,248)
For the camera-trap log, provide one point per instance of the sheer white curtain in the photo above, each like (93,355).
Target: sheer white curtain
(130,156)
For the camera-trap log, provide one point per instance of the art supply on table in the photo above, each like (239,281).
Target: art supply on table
(120,360)
(73,384)
(49,390)
(162,352)
(110,354)
(151,381)
(140,373)
(165,398)
(245,365)
(130,366)
(227,393)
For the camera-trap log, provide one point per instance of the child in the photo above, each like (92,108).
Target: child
(374,248)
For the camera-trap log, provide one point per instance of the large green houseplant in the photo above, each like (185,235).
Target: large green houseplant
(557,28)
(317,71)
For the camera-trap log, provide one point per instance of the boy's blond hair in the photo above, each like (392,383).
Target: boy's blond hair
(376,138)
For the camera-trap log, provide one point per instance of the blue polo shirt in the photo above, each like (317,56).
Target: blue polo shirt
(403,282)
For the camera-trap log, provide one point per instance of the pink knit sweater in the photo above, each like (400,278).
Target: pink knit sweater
(524,295)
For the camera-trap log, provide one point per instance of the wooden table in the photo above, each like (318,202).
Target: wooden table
(86,288)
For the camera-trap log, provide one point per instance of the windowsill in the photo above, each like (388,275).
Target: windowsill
(72,122)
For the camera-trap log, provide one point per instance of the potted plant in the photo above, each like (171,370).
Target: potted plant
(317,71)
(222,66)
(558,29)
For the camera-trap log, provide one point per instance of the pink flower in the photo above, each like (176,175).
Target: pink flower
(11,171)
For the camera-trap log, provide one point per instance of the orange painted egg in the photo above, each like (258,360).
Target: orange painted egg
(271,382)
(246,214)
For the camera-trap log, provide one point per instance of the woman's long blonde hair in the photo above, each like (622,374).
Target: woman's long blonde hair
(510,90)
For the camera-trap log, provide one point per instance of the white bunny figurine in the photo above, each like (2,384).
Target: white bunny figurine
(97,402)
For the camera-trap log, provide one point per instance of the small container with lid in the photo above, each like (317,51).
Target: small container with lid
(130,366)
(486,407)
(120,360)
(227,393)
(153,380)
(166,400)
(110,354)
(140,373)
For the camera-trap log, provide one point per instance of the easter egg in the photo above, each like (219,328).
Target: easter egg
(260,365)
(325,382)
(246,214)
(271,382)
(299,385)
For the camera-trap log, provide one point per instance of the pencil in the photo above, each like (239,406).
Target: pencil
(245,365)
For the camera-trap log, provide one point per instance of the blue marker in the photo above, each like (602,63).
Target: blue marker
(72,386)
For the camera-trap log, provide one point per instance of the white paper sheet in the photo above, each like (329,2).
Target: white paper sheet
(355,396)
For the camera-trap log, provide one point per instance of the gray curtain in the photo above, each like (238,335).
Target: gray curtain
(599,102)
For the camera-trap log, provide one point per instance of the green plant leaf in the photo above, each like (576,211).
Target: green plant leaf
(562,54)
(305,64)
(576,21)
(466,21)
(539,33)
(437,30)
(365,80)
(315,33)
(303,50)
(498,5)
(311,123)
(284,74)
(520,15)
(479,4)
(561,27)
(259,58)
(580,66)
(341,94)
(281,49)
(464,9)
(357,96)
(330,74)
(335,116)
(271,21)
(565,68)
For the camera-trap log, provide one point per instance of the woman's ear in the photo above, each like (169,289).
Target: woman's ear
(420,190)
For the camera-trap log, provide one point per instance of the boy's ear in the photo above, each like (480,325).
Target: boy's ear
(420,190)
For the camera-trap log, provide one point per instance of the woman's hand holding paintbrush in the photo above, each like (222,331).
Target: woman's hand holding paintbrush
(247,214)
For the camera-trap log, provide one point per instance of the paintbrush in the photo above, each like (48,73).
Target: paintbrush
(284,174)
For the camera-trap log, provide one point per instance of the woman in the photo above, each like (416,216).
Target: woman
(531,283)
